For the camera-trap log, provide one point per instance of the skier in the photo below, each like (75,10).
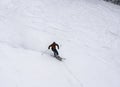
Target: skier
(53,47)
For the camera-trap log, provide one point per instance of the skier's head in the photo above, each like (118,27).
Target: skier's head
(54,43)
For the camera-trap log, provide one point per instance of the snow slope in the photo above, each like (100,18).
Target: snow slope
(88,32)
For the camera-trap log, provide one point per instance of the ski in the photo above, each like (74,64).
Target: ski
(60,58)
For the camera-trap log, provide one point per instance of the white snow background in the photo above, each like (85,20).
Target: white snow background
(88,32)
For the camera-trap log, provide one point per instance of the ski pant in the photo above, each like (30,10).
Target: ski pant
(55,52)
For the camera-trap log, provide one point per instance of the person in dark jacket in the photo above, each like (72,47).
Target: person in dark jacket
(53,47)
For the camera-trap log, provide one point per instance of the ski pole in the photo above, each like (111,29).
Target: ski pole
(44,52)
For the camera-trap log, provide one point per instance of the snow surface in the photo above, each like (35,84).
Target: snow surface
(88,32)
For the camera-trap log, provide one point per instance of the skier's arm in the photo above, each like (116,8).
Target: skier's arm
(49,47)
(57,46)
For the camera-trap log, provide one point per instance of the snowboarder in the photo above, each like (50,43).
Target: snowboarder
(53,47)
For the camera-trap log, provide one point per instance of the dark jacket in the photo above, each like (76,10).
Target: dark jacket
(53,46)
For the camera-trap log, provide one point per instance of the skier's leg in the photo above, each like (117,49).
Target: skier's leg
(55,52)
(57,55)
